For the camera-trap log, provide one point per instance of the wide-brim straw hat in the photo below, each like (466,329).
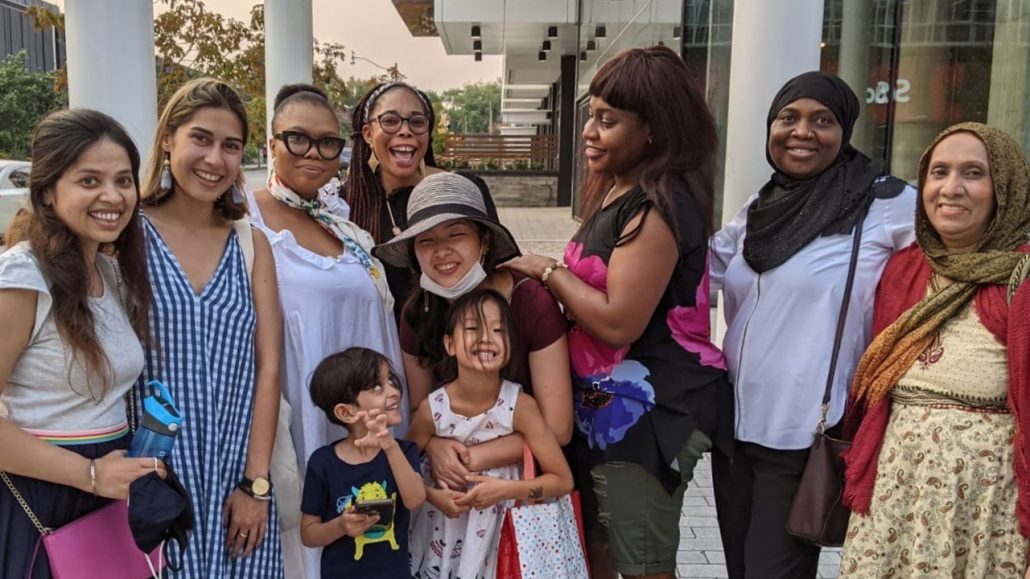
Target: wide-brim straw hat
(439,198)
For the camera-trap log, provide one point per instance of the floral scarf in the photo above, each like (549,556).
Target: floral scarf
(354,239)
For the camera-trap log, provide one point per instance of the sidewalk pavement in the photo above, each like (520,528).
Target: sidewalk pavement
(545,230)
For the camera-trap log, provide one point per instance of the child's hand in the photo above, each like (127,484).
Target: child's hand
(354,524)
(379,435)
(446,501)
(488,492)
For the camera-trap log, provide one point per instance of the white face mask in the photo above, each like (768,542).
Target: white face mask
(469,282)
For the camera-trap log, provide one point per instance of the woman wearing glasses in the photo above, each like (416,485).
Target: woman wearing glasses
(333,294)
(392,152)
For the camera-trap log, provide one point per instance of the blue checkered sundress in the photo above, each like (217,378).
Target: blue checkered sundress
(204,352)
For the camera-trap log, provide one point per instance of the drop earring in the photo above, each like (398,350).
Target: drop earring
(422,167)
(166,174)
(425,302)
(373,161)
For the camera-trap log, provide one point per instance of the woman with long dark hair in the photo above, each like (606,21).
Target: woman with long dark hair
(74,298)
(651,394)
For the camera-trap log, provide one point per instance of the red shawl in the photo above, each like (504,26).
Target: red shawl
(902,285)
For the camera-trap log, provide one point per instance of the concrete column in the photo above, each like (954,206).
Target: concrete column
(773,40)
(288,48)
(856,36)
(110,47)
(567,129)
(1010,71)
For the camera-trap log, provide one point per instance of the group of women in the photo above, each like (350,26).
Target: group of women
(232,297)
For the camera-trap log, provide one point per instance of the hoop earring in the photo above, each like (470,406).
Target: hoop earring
(166,174)
(373,161)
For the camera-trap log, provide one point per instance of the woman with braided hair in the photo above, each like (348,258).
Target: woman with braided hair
(392,151)
(938,476)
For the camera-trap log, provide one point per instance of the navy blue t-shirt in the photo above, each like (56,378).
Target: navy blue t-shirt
(331,485)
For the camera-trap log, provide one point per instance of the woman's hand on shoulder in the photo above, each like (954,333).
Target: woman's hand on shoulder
(115,471)
(450,459)
(530,265)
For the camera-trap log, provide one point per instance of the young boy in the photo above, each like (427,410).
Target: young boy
(359,491)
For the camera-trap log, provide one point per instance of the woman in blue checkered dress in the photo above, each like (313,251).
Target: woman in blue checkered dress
(216,332)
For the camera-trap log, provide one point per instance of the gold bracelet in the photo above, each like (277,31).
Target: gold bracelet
(93,475)
(551,269)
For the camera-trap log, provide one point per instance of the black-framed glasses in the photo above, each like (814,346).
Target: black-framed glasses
(391,123)
(298,144)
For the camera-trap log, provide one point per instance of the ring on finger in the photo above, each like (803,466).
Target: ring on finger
(242,534)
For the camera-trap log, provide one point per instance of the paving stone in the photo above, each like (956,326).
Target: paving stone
(701,570)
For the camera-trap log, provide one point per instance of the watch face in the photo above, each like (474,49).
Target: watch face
(260,486)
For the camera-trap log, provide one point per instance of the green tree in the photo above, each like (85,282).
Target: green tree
(25,98)
(473,108)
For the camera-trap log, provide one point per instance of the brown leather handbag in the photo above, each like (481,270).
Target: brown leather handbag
(818,515)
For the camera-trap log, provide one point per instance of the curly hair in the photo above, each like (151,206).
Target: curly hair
(58,142)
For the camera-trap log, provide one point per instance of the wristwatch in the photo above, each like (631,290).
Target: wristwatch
(260,488)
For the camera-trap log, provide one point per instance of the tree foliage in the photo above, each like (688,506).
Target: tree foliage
(25,98)
(473,108)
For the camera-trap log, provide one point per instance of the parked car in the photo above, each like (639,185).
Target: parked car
(14,190)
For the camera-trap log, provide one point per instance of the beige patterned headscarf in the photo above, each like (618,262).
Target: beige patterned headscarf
(895,349)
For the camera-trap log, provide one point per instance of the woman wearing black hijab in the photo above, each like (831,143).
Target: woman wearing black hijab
(782,264)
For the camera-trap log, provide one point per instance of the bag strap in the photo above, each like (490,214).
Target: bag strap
(841,319)
(43,530)
(246,236)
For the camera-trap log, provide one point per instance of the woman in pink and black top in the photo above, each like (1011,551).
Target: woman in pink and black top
(454,245)
(651,394)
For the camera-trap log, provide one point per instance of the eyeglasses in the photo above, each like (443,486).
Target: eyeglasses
(391,123)
(298,144)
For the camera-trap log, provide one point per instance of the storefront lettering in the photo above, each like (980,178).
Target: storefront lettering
(881,93)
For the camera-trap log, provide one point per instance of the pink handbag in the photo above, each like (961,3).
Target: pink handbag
(99,544)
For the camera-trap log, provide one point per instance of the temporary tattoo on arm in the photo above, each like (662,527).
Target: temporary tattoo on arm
(536,493)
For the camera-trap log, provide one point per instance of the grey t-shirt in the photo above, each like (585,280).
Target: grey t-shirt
(47,392)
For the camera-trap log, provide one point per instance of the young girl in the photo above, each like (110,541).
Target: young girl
(357,389)
(456,535)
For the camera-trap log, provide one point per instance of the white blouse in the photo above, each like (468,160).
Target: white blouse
(781,323)
(328,305)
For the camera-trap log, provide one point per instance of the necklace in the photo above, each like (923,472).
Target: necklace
(393,222)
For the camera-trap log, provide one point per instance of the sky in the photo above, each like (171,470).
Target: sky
(374,30)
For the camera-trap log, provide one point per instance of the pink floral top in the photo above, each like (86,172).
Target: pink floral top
(639,403)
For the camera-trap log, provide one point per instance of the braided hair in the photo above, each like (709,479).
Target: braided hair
(364,190)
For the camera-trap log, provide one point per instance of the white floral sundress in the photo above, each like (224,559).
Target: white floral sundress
(464,547)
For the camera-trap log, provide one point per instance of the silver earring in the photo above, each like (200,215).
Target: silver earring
(166,175)
(237,194)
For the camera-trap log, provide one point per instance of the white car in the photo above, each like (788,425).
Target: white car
(14,190)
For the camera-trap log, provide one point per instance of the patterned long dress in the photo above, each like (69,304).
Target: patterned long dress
(944,501)
(204,352)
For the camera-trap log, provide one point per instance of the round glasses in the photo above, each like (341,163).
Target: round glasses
(298,144)
(391,123)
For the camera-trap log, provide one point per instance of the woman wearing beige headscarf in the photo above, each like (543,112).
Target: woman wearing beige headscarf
(938,475)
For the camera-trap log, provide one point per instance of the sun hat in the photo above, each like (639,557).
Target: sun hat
(439,198)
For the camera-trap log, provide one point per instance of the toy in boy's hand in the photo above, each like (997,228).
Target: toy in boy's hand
(159,425)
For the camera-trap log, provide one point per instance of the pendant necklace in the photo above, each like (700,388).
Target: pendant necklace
(389,210)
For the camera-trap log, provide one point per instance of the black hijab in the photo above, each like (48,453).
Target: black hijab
(789,213)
